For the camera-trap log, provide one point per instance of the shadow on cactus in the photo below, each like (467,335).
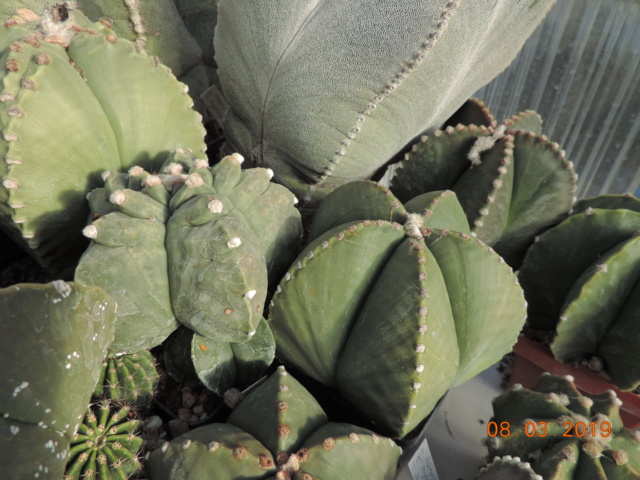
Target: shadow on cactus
(394,315)
(563,433)
(76,100)
(512,182)
(278,431)
(582,279)
(196,249)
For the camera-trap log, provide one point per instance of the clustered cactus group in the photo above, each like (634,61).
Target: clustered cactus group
(387,297)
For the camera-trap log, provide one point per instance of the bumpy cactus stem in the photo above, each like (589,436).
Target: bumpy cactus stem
(128,378)
(323,120)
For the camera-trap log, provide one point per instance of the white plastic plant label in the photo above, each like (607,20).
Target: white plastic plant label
(421,464)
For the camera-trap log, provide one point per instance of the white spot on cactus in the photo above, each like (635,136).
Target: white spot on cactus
(569,378)
(6,97)
(200,163)
(299,265)
(12,161)
(185,88)
(601,267)
(10,184)
(420,348)
(250,294)
(20,388)
(173,169)
(136,171)
(295,200)
(118,197)
(422,329)
(67,366)
(62,287)
(234,242)
(14,429)
(516,386)
(375,439)
(419,368)
(165,447)
(186,444)
(236,157)
(413,225)
(287,276)
(422,311)
(310,255)
(478,223)
(90,231)
(194,180)
(216,206)
(589,211)
(152,181)
(484,211)
(416,386)
(279,289)
(269,173)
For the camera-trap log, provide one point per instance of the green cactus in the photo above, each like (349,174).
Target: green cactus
(322,120)
(507,468)
(106,446)
(53,338)
(582,279)
(179,33)
(410,315)
(564,434)
(78,100)
(279,431)
(128,378)
(512,182)
(199,247)
(219,365)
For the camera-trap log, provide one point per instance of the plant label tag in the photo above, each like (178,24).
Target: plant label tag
(421,464)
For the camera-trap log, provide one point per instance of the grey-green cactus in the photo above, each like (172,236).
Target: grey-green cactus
(53,338)
(279,432)
(199,247)
(76,101)
(219,365)
(512,182)
(106,446)
(393,316)
(564,434)
(582,279)
(319,94)
(129,378)
(507,468)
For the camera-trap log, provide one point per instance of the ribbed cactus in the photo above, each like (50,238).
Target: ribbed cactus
(582,279)
(394,315)
(512,182)
(507,468)
(327,92)
(564,434)
(53,338)
(219,365)
(199,247)
(128,378)
(76,101)
(106,446)
(280,432)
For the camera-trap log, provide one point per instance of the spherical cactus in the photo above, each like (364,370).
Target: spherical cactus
(278,431)
(512,182)
(394,315)
(53,338)
(198,247)
(563,433)
(106,446)
(582,279)
(78,100)
(507,468)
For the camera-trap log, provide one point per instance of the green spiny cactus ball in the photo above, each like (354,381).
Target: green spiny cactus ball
(394,315)
(582,282)
(512,182)
(278,431)
(129,378)
(106,445)
(564,434)
(507,468)
(196,248)
(77,100)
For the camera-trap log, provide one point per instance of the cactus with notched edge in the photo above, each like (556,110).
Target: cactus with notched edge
(53,338)
(507,468)
(414,311)
(219,365)
(129,378)
(574,436)
(106,446)
(582,279)
(76,100)
(320,120)
(199,247)
(512,182)
(278,431)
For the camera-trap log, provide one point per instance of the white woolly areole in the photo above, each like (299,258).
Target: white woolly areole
(200,163)
(237,158)
(173,169)
(117,198)
(234,242)
(136,171)
(413,225)
(60,31)
(105,175)
(270,173)
(152,181)
(233,397)
(90,231)
(215,206)
(62,287)
(250,294)
(194,180)
(482,144)
(295,200)
(10,184)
